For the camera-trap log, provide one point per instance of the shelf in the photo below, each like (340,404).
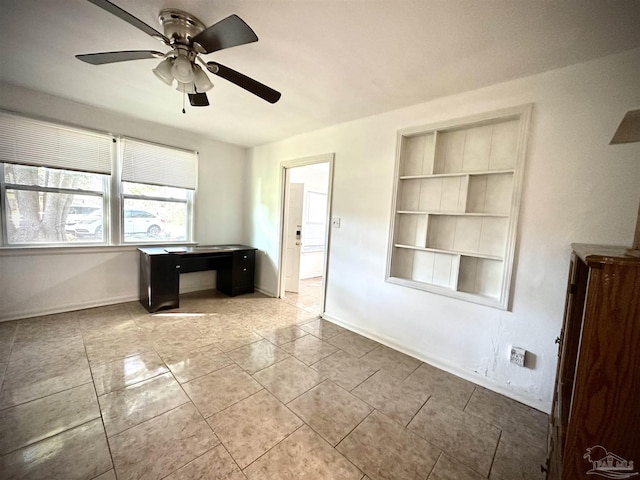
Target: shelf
(450,252)
(455,174)
(462,214)
(456,201)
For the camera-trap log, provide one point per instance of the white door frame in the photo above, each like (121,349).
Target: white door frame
(302,162)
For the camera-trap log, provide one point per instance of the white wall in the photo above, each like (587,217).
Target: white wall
(38,281)
(577,188)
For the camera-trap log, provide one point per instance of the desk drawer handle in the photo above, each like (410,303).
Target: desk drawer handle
(177,266)
(244,269)
(245,257)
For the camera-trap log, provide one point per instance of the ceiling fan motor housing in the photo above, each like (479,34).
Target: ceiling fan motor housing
(179,26)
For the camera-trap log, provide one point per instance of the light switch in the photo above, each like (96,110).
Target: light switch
(335,222)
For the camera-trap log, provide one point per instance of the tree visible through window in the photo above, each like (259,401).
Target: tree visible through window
(39,201)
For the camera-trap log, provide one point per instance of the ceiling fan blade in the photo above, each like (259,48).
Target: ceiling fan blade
(198,100)
(229,32)
(130,19)
(249,84)
(122,56)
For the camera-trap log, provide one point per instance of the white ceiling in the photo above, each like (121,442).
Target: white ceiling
(333,60)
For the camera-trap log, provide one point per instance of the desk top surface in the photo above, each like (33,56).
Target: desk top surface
(197,250)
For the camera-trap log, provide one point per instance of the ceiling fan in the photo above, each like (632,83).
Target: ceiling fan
(188,38)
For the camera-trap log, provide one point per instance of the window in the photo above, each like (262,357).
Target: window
(152,213)
(57,186)
(157,192)
(315,219)
(47,205)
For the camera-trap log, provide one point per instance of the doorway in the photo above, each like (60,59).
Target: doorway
(304,239)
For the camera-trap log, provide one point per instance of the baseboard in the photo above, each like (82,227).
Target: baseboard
(69,307)
(444,365)
(265,292)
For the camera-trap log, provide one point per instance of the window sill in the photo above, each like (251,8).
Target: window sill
(13,251)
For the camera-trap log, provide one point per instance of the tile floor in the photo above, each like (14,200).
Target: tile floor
(242,388)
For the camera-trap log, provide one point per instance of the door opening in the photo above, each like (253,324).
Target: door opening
(305,232)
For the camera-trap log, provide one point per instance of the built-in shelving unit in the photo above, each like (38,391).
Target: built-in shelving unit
(457,191)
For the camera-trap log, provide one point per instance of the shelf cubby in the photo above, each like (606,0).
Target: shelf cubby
(456,201)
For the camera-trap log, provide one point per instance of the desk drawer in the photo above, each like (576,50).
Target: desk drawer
(244,268)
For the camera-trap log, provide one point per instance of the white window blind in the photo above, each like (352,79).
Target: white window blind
(153,164)
(36,143)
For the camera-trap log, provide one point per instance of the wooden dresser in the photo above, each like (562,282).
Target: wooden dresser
(595,421)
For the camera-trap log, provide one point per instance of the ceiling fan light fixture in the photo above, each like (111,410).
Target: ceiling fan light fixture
(201,80)
(163,71)
(186,87)
(182,69)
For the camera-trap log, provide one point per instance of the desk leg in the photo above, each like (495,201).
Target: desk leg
(159,282)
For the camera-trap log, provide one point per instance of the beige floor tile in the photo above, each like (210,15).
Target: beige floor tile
(443,385)
(102,314)
(344,369)
(106,325)
(216,464)
(392,362)
(510,415)
(125,408)
(309,349)
(330,410)
(448,468)
(281,335)
(517,460)
(212,345)
(80,453)
(129,343)
(251,427)
(258,355)
(232,339)
(3,368)
(220,389)
(186,366)
(171,345)
(154,322)
(46,350)
(126,371)
(322,328)
(395,398)
(31,379)
(39,419)
(386,451)
(7,331)
(110,475)
(159,446)
(353,343)
(288,379)
(463,436)
(61,326)
(303,454)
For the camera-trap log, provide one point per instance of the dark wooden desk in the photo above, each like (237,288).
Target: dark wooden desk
(160,270)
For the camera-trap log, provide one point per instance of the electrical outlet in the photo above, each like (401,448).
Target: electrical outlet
(517,356)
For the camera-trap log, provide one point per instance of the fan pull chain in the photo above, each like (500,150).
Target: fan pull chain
(184,94)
